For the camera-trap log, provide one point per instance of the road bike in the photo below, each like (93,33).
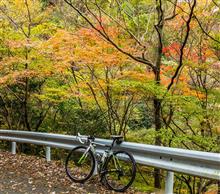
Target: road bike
(117,169)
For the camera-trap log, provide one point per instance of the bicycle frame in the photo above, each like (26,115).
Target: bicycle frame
(104,156)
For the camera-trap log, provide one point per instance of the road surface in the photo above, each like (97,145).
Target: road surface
(22,174)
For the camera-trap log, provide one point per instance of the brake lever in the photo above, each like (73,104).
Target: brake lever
(79,139)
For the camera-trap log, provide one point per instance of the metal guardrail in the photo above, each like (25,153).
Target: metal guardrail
(196,163)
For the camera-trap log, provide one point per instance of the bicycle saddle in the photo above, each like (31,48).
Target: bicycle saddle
(91,137)
(116,137)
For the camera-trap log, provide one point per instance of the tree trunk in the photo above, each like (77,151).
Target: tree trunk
(157,109)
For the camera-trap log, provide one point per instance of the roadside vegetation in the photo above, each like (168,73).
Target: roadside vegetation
(145,69)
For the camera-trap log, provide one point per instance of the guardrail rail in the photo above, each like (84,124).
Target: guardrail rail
(196,163)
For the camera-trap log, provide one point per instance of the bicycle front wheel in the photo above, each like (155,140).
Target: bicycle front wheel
(80,164)
(120,171)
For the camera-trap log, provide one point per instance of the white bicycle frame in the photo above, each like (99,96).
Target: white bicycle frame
(92,148)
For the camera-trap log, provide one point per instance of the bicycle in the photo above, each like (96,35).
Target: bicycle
(117,169)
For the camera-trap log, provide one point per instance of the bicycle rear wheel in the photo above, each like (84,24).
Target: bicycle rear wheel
(80,164)
(120,171)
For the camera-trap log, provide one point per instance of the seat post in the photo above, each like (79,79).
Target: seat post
(115,138)
(113,142)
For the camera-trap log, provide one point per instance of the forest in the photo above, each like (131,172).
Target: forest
(145,69)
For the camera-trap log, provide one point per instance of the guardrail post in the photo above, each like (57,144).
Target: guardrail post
(169,182)
(13,147)
(48,154)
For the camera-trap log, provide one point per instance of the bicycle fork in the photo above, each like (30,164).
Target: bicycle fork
(85,154)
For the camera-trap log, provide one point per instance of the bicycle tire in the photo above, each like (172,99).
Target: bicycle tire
(109,180)
(73,160)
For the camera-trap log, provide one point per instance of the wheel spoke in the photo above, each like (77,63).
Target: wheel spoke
(120,171)
(80,165)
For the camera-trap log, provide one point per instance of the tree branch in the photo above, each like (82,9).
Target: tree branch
(183,46)
(204,31)
(108,39)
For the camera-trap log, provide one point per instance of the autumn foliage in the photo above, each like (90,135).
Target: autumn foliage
(148,71)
